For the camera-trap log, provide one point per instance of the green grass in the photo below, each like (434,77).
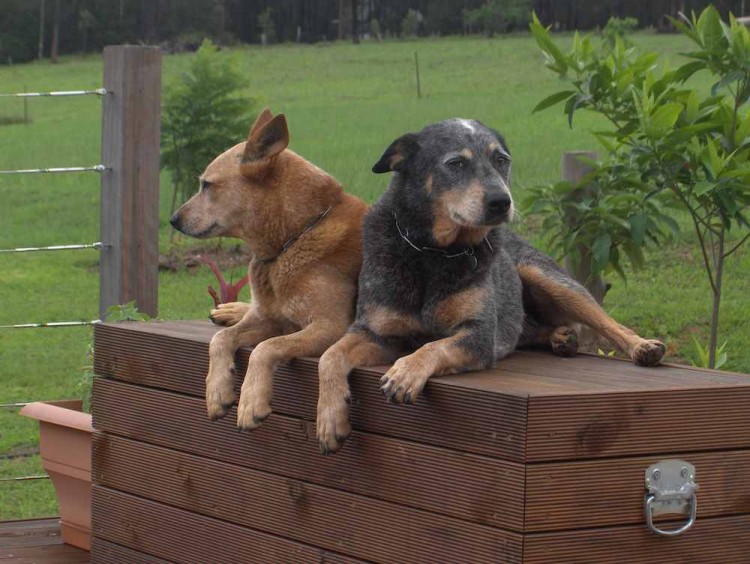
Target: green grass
(345,104)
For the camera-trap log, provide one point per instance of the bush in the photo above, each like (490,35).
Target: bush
(204,113)
(498,16)
(618,27)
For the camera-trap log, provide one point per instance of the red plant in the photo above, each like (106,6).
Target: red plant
(229,292)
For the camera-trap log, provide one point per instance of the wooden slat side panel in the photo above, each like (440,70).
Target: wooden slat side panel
(449,415)
(717,540)
(180,536)
(611,425)
(105,552)
(315,515)
(480,489)
(576,495)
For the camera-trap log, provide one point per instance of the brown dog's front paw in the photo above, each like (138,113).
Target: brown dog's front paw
(648,352)
(333,427)
(220,396)
(228,314)
(564,341)
(252,410)
(404,381)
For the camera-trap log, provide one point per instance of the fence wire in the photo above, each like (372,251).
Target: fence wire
(51,324)
(98,246)
(95,168)
(58,94)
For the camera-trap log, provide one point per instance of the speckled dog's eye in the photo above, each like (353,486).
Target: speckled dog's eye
(456,164)
(501,160)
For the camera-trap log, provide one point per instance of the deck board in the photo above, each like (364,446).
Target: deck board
(37,541)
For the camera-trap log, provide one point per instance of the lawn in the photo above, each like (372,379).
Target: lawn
(344,104)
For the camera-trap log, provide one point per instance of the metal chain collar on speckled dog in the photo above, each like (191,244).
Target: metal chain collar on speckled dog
(468,251)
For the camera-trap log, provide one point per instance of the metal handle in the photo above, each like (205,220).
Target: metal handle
(648,509)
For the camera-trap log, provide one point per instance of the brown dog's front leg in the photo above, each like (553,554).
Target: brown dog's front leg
(408,375)
(220,394)
(353,349)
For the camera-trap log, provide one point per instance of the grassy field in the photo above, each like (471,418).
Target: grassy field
(345,104)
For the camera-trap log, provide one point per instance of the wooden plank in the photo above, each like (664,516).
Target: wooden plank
(37,541)
(181,536)
(351,524)
(179,361)
(129,221)
(105,552)
(30,532)
(641,423)
(722,540)
(576,495)
(481,489)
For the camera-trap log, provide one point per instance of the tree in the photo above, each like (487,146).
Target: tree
(203,112)
(667,143)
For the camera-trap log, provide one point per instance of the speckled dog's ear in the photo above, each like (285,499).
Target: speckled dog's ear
(397,154)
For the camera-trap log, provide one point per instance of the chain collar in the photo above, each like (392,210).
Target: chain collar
(294,238)
(468,251)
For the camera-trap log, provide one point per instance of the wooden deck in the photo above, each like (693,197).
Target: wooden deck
(37,541)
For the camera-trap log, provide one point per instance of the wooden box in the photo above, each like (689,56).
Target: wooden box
(540,460)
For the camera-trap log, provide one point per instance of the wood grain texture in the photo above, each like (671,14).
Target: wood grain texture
(347,523)
(719,540)
(651,421)
(180,536)
(129,224)
(105,552)
(576,495)
(481,489)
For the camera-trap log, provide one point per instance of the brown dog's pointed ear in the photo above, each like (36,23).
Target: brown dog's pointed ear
(397,154)
(263,118)
(267,141)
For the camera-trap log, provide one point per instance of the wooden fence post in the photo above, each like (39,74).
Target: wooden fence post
(574,169)
(131,128)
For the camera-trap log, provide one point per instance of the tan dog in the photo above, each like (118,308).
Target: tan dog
(305,234)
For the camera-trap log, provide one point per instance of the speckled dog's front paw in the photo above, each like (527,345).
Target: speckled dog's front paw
(404,381)
(564,341)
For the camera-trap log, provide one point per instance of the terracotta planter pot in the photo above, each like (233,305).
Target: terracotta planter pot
(65,447)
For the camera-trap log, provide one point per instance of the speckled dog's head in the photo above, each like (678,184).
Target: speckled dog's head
(461,168)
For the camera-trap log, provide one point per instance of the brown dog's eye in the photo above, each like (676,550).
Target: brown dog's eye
(205,185)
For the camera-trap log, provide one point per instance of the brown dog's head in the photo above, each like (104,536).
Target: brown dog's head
(238,190)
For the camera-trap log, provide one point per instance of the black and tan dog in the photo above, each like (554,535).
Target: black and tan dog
(442,278)
(305,236)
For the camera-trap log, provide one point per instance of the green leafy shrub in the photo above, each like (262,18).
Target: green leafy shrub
(619,27)
(204,113)
(498,16)
(668,145)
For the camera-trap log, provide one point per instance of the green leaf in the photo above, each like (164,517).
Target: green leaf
(600,251)
(709,28)
(687,70)
(638,223)
(664,118)
(552,100)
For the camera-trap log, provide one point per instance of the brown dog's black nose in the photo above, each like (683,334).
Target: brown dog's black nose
(498,204)
(175,221)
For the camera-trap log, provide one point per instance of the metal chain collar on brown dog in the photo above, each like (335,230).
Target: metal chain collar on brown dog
(310,226)
(468,251)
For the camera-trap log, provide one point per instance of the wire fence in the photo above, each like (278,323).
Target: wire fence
(57,94)
(95,168)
